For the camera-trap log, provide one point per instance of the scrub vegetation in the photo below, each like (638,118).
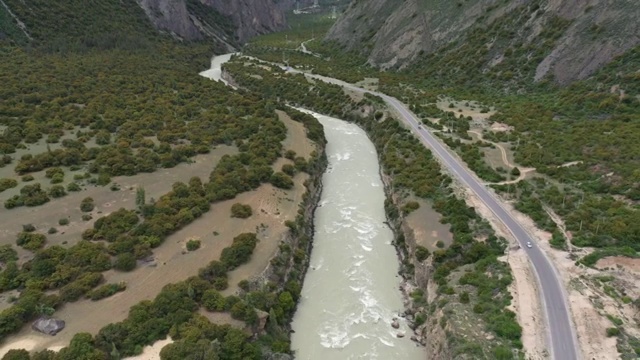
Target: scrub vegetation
(579,141)
(413,168)
(589,123)
(108,96)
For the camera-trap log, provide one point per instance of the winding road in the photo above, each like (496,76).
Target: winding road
(561,333)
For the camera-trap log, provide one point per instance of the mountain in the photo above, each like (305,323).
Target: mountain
(227,23)
(561,39)
(234,22)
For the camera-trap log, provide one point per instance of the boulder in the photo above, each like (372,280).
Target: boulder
(400,335)
(263,317)
(48,326)
(395,324)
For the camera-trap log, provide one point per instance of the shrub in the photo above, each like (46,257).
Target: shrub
(7,184)
(289,169)
(52,172)
(420,319)
(244,285)
(613,331)
(83,284)
(7,253)
(502,353)
(440,244)
(421,253)
(464,297)
(515,171)
(57,191)
(52,230)
(73,187)
(281,180)
(28,228)
(103,179)
(16,354)
(87,204)
(241,211)
(240,251)
(290,154)
(86,217)
(63,221)
(125,262)
(57,179)
(212,300)
(27,178)
(106,290)
(410,206)
(31,241)
(193,245)
(479,308)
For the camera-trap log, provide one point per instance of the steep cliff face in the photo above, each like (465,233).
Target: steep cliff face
(251,17)
(586,34)
(228,23)
(232,22)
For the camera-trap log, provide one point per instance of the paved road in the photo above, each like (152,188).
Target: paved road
(561,334)
(563,340)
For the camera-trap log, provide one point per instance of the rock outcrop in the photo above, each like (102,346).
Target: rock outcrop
(397,33)
(230,22)
(49,326)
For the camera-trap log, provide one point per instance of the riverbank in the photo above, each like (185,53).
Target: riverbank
(350,299)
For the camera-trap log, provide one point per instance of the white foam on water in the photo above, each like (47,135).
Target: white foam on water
(348,307)
(386,342)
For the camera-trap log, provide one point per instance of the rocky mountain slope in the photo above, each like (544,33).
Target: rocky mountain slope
(563,39)
(231,21)
(227,23)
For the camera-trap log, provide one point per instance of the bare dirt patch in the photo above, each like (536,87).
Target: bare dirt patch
(500,127)
(151,352)
(172,263)
(464,108)
(296,136)
(427,228)
(368,83)
(222,318)
(46,216)
(629,264)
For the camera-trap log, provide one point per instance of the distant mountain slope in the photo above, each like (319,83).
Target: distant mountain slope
(227,23)
(231,21)
(565,39)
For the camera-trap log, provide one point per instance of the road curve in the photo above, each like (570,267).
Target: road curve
(561,334)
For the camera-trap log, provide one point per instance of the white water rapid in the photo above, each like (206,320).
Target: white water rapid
(350,294)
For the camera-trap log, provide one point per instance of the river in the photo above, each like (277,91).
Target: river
(350,295)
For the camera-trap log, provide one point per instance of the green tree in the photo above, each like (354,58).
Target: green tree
(125,262)
(87,204)
(140,197)
(17,354)
(193,245)
(241,211)
(281,180)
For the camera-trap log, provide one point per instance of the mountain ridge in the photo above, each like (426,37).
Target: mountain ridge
(227,24)
(587,34)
